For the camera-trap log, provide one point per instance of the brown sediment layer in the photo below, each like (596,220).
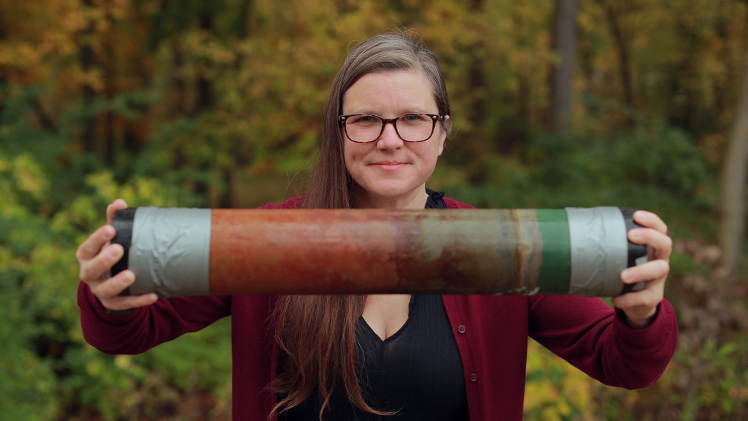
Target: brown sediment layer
(374,251)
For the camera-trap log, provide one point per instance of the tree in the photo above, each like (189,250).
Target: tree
(733,185)
(562,70)
(615,14)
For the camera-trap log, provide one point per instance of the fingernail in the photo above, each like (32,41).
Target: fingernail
(153,298)
(636,233)
(642,216)
(627,275)
(115,251)
(128,278)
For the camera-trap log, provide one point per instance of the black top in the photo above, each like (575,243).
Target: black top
(417,371)
(435,200)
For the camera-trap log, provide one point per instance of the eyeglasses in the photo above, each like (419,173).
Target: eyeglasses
(365,128)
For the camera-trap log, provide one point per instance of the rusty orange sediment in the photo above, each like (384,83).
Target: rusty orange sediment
(529,250)
(358,251)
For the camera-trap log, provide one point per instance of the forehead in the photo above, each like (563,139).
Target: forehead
(398,91)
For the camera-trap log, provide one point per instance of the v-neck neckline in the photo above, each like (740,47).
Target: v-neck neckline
(380,341)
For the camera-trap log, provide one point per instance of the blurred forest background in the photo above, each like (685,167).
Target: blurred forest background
(219,103)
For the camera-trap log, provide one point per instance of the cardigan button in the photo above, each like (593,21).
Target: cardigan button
(461,328)
(473,377)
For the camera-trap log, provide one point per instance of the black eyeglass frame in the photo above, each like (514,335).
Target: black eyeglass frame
(385,121)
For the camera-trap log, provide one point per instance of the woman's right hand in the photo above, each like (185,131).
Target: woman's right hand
(97,255)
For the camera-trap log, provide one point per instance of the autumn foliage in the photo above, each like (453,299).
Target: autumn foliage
(219,103)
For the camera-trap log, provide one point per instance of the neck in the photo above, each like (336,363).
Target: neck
(414,200)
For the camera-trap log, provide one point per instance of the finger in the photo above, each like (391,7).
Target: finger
(650,220)
(112,287)
(646,272)
(657,240)
(640,304)
(93,269)
(114,207)
(93,244)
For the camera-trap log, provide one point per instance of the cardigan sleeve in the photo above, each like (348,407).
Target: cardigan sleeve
(595,338)
(149,326)
(160,322)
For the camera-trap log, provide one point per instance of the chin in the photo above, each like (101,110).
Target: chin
(390,191)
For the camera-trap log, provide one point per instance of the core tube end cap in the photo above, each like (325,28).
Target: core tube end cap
(123,223)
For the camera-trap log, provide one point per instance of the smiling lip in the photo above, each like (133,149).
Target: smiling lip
(389,165)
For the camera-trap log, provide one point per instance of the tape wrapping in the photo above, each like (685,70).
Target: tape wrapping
(170,251)
(599,251)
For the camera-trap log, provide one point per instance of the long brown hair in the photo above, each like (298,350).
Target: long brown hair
(317,332)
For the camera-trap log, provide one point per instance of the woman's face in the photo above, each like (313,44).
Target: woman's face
(390,172)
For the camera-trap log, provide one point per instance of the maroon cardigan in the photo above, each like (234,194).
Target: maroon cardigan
(491,333)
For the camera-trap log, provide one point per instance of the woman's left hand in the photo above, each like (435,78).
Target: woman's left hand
(641,306)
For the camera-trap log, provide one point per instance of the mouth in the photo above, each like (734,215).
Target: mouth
(389,165)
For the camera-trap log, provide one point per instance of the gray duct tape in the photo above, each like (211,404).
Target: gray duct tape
(170,251)
(599,250)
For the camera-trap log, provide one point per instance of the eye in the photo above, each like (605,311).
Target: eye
(416,118)
(363,119)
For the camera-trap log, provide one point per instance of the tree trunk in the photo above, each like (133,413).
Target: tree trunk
(477,99)
(110,119)
(562,72)
(619,40)
(179,86)
(244,18)
(45,120)
(88,137)
(244,29)
(205,94)
(205,100)
(476,70)
(733,185)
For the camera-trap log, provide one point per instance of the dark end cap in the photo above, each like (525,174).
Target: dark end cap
(123,223)
(635,251)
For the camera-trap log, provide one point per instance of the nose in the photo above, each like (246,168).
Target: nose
(389,139)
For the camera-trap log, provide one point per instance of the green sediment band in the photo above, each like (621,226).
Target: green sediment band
(555,268)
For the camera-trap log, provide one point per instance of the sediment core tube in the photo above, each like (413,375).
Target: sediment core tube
(182,252)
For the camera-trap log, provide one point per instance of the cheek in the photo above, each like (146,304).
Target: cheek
(430,152)
(442,141)
(354,152)
(347,154)
(351,156)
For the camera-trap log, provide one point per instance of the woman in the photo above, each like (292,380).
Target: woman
(400,356)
